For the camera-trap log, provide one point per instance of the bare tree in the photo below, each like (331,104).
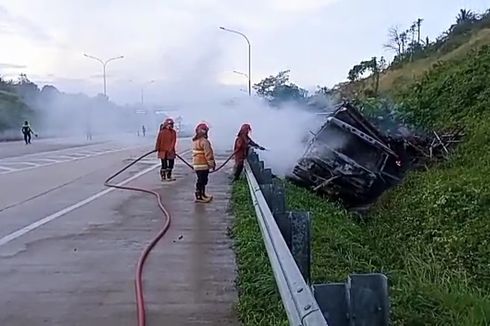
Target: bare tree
(394,40)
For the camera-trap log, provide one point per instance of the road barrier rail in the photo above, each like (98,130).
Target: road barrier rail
(361,301)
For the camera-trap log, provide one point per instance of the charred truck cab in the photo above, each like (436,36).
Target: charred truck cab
(350,159)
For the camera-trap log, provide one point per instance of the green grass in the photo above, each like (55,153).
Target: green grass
(426,288)
(259,300)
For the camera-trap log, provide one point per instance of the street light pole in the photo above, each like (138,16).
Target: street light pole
(142,89)
(104,64)
(249,57)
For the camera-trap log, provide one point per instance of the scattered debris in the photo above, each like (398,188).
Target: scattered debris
(351,159)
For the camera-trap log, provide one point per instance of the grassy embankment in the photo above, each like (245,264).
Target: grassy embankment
(429,235)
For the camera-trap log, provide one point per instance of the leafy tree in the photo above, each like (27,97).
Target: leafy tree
(278,89)
(374,67)
(26,89)
(466,16)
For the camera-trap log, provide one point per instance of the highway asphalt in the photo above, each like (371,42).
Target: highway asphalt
(69,245)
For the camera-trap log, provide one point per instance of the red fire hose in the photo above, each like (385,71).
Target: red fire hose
(140,302)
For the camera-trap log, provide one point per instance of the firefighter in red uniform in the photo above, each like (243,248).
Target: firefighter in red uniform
(165,146)
(202,161)
(242,145)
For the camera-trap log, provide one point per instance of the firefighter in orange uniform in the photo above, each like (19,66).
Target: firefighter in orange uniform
(165,146)
(242,145)
(202,161)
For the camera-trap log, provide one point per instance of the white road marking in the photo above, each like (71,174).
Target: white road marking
(59,159)
(12,236)
(45,160)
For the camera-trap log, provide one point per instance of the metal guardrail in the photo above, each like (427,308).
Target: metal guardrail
(362,300)
(297,297)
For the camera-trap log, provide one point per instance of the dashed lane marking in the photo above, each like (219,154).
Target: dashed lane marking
(14,235)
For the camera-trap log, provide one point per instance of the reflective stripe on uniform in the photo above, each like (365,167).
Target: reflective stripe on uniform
(201,166)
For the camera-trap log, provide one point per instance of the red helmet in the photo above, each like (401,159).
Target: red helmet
(245,127)
(202,126)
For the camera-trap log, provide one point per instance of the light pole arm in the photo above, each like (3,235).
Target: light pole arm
(104,64)
(240,73)
(95,58)
(237,32)
(112,59)
(249,57)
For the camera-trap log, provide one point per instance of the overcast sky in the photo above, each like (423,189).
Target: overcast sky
(178,42)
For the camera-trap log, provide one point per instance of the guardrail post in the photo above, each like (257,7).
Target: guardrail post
(332,299)
(266,177)
(362,300)
(283,221)
(301,242)
(368,299)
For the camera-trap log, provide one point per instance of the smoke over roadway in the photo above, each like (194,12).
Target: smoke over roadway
(282,131)
(191,83)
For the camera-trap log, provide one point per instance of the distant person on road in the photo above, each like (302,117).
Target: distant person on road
(165,146)
(89,132)
(27,131)
(241,148)
(202,161)
(144,130)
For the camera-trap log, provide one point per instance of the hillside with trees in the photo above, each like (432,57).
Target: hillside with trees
(414,55)
(429,235)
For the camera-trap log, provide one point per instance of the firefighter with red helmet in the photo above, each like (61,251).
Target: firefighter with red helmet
(242,144)
(165,147)
(202,161)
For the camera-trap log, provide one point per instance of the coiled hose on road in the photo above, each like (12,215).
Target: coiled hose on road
(140,302)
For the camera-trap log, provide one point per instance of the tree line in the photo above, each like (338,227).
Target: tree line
(408,45)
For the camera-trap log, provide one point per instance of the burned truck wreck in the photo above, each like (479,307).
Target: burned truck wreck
(351,159)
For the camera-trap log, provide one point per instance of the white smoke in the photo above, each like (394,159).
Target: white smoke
(189,82)
(282,131)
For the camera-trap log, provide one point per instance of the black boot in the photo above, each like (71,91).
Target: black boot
(169,175)
(199,197)
(207,198)
(163,176)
